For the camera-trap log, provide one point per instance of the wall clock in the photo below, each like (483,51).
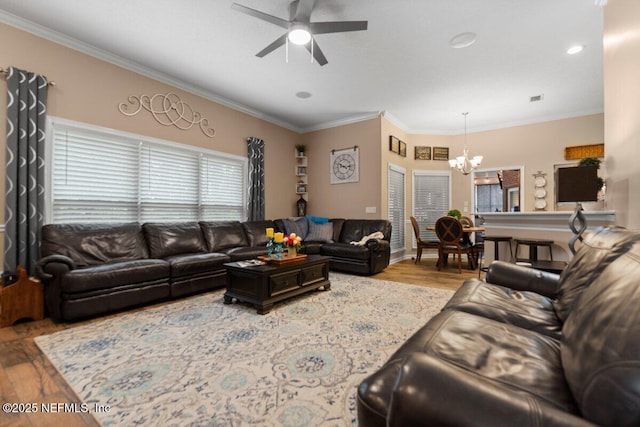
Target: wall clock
(344,166)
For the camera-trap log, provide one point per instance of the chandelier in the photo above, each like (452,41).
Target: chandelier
(463,163)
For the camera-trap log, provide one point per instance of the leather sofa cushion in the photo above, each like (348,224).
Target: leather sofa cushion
(337,228)
(167,239)
(256,231)
(355,229)
(94,244)
(345,250)
(186,265)
(221,235)
(522,360)
(601,349)
(525,309)
(107,276)
(598,250)
(245,252)
(311,248)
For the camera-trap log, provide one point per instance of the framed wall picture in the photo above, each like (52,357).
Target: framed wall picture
(422,153)
(403,149)
(394,144)
(441,153)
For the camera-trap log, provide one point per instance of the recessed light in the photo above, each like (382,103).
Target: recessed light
(303,94)
(462,40)
(575,49)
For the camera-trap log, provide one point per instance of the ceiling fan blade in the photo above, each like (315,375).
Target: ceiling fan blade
(303,10)
(273,46)
(317,52)
(337,27)
(261,15)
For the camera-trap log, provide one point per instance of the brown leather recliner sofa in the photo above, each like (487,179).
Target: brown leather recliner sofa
(524,348)
(93,269)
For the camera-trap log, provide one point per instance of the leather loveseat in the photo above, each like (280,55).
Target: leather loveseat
(524,348)
(93,269)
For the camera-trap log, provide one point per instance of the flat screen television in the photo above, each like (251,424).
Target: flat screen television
(577,184)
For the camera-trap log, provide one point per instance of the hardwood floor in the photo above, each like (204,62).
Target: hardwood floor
(27,377)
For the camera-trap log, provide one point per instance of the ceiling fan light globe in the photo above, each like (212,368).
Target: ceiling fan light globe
(299,36)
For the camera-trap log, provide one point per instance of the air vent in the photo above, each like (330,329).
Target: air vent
(536,98)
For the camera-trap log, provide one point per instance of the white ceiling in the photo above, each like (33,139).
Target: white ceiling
(402,65)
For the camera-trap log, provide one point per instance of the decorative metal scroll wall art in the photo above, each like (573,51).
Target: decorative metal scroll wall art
(168,110)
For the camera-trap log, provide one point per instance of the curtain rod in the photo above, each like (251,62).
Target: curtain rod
(5,71)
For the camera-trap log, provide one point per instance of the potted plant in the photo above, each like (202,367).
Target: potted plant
(300,148)
(593,161)
(590,161)
(455,213)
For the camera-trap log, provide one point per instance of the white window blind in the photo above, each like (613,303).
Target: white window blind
(431,200)
(99,175)
(396,199)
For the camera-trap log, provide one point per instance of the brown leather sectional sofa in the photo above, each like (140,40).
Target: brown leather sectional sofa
(524,348)
(93,269)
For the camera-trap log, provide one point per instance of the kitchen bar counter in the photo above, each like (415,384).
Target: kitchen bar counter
(548,225)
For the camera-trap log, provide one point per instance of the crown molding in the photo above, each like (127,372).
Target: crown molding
(345,121)
(496,126)
(75,44)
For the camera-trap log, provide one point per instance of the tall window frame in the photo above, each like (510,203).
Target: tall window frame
(396,196)
(431,199)
(101,175)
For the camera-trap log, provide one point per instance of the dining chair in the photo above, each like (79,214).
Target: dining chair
(466,221)
(450,232)
(422,244)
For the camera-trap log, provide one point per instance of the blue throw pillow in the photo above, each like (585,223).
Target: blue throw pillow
(317,219)
(321,233)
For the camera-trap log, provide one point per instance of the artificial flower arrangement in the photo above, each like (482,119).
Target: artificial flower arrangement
(293,241)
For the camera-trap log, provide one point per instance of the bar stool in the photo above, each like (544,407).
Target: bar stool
(496,250)
(533,245)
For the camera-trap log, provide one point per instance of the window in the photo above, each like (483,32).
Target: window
(396,207)
(497,190)
(101,175)
(431,200)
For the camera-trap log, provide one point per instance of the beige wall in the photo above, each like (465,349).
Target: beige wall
(535,147)
(622,108)
(344,200)
(89,90)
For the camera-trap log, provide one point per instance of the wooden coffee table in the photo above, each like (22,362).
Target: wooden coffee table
(265,285)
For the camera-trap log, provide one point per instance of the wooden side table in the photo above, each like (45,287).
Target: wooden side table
(23,299)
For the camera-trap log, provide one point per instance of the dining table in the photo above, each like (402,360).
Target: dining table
(466,237)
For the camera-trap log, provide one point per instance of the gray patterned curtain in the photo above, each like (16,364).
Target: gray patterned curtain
(255,151)
(24,183)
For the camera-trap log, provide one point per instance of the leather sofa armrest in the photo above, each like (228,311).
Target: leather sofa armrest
(431,392)
(51,265)
(523,278)
(376,245)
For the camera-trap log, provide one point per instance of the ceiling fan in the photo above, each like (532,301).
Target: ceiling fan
(300,29)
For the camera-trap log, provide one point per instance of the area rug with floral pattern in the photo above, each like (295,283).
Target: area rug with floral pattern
(200,362)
